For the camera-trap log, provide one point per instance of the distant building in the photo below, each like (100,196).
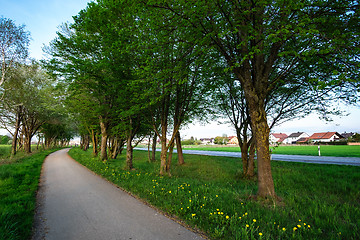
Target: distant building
(233,140)
(347,135)
(326,137)
(294,137)
(207,141)
(277,137)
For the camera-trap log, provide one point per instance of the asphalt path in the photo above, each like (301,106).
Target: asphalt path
(74,203)
(354,161)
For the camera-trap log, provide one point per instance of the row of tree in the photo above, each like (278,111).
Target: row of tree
(136,68)
(29,100)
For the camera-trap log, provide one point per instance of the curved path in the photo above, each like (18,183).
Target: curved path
(353,161)
(74,203)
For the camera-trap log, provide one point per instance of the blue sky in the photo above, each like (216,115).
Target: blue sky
(42,18)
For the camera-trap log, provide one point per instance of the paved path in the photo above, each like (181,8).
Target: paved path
(76,204)
(354,161)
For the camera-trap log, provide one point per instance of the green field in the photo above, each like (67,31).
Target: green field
(208,193)
(312,150)
(18,185)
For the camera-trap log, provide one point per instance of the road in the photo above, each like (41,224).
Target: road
(354,161)
(74,203)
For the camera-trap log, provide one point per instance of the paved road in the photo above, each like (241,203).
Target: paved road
(279,157)
(76,204)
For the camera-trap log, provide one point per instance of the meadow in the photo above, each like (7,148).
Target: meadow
(310,150)
(19,179)
(209,194)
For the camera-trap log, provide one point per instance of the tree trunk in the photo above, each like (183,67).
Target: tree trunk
(251,161)
(181,160)
(17,127)
(94,143)
(129,153)
(169,158)
(163,156)
(27,143)
(153,148)
(261,129)
(104,137)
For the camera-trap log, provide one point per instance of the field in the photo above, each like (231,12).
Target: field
(208,193)
(19,179)
(311,150)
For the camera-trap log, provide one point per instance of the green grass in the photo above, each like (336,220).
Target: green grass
(312,150)
(207,192)
(18,185)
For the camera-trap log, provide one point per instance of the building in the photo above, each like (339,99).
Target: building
(277,137)
(326,137)
(233,140)
(207,141)
(294,137)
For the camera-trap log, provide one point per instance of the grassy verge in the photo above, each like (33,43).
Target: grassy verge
(326,150)
(18,185)
(319,201)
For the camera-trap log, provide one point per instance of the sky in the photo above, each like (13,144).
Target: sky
(43,17)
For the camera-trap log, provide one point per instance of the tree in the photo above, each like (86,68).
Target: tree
(14,42)
(266,43)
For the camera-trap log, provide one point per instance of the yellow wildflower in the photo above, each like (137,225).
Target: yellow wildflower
(247,225)
(193,215)
(260,234)
(254,220)
(227,217)
(295,228)
(284,229)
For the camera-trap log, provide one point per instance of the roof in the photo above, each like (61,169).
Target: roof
(297,134)
(280,135)
(324,135)
(302,140)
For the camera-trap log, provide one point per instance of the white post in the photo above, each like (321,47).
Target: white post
(319,151)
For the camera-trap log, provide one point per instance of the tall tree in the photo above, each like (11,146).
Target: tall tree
(264,42)
(14,42)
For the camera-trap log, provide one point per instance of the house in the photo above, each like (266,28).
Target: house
(326,137)
(294,137)
(207,141)
(347,135)
(277,137)
(233,140)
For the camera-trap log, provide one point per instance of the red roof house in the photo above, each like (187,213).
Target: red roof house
(277,137)
(326,137)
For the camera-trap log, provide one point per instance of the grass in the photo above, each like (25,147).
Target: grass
(310,150)
(18,185)
(319,201)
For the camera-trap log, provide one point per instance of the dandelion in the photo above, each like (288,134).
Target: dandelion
(193,215)
(227,217)
(169,191)
(254,220)
(240,218)
(217,196)
(299,220)
(308,226)
(245,213)
(247,225)
(284,229)
(260,234)
(189,200)
(294,229)
(299,226)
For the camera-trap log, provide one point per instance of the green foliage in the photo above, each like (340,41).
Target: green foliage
(207,193)
(4,140)
(355,138)
(221,140)
(18,185)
